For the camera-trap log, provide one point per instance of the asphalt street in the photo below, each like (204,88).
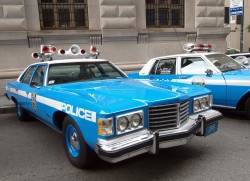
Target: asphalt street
(33,151)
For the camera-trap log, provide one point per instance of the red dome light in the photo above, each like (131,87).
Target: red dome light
(200,45)
(53,49)
(94,49)
(45,49)
(82,51)
(62,51)
(35,55)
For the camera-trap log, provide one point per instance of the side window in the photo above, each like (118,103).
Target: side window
(193,65)
(26,78)
(166,66)
(39,75)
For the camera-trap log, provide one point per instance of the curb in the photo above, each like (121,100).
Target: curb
(7,109)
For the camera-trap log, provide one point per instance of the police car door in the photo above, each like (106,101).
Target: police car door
(35,92)
(164,69)
(195,70)
(23,85)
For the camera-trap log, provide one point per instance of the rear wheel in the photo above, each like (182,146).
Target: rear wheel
(76,148)
(247,108)
(21,113)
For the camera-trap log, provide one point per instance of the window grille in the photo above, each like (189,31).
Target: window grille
(63,14)
(165,13)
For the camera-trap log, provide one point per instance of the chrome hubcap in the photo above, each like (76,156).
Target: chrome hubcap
(74,140)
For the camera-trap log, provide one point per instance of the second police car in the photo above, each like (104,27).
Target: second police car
(228,80)
(100,111)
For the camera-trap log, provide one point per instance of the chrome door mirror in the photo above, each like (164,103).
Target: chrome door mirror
(209,72)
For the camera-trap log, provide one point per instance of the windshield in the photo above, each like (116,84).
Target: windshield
(82,71)
(223,62)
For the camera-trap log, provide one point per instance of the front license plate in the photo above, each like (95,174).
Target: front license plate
(211,128)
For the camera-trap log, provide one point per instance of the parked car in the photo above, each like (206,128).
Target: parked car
(242,58)
(227,79)
(232,50)
(100,111)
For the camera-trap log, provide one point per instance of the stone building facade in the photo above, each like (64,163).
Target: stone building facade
(126,31)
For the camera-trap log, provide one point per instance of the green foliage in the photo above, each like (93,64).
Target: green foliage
(248,28)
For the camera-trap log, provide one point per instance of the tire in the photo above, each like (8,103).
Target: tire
(77,150)
(247,108)
(22,115)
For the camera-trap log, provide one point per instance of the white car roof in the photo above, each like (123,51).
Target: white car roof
(70,61)
(238,54)
(189,54)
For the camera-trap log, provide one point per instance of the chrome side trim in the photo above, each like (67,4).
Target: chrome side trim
(226,107)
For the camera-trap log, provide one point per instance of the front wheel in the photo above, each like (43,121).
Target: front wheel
(247,108)
(21,113)
(76,148)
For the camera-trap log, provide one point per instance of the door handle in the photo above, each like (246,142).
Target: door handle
(151,77)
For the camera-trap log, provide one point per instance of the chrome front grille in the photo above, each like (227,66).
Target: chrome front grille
(168,116)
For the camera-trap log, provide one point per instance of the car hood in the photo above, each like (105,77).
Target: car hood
(123,94)
(241,72)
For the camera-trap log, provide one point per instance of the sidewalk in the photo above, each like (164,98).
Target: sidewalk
(6,106)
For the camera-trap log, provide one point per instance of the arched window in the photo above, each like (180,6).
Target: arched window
(165,13)
(63,14)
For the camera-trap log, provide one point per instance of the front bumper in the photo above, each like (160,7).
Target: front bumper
(128,146)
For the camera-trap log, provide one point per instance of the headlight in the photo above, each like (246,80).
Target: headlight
(196,105)
(136,120)
(129,122)
(202,103)
(105,126)
(122,123)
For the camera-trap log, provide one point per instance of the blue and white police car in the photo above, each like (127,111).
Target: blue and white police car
(100,111)
(228,80)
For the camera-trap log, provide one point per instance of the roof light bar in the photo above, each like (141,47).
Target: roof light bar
(192,47)
(47,51)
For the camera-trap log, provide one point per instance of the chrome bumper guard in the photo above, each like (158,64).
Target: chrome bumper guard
(143,141)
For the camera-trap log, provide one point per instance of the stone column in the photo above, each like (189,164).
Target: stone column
(209,21)
(118,20)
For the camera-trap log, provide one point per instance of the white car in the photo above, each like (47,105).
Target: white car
(242,58)
(226,78)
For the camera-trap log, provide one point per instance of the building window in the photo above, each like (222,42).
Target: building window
(238,19)
(165,13)
(226,19)
(63,14)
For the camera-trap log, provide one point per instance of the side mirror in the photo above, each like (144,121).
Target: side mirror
(34,84)
(209,72)
(245,63)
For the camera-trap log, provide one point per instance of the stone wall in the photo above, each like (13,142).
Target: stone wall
(209,13)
